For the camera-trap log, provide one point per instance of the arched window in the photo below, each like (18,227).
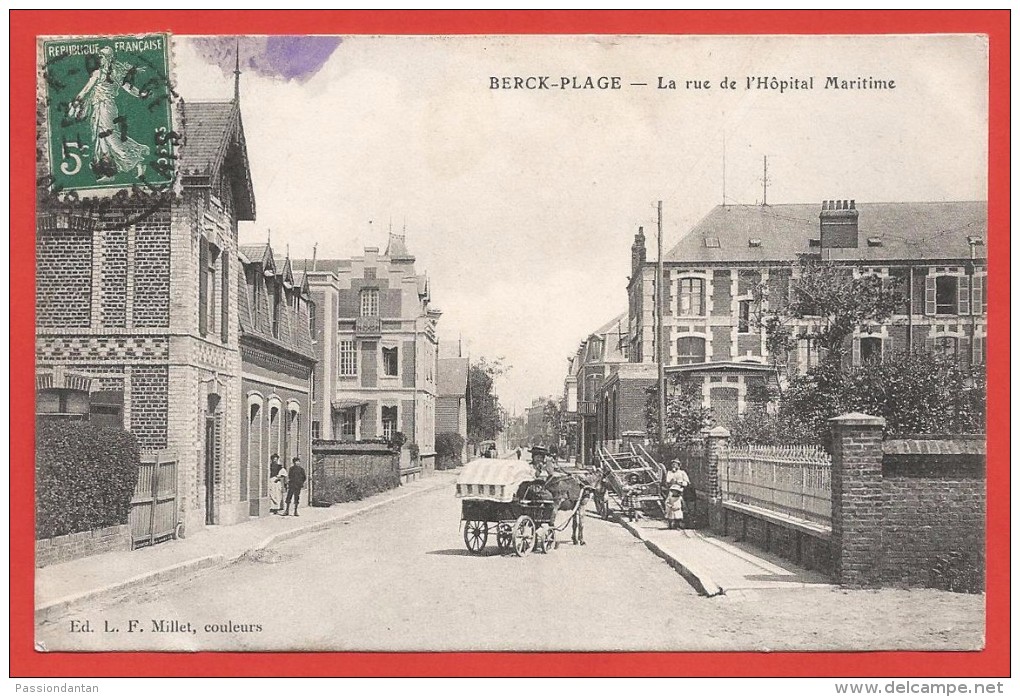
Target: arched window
(690,349)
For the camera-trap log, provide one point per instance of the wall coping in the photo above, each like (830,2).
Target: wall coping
(717,432)
(857,419)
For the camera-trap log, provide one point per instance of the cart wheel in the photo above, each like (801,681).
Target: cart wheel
(504,537)
(523,535)
(546,540)
(476,534)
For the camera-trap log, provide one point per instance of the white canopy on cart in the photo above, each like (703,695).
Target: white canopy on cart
(493,480)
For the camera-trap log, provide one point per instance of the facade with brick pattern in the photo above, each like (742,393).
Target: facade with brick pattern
(137,300)
(377,349)
(933,250)
(277,360)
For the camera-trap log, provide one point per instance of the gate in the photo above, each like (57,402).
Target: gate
(153,516)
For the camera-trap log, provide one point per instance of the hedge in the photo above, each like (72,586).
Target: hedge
(342,489)
(449,450)
(85,477)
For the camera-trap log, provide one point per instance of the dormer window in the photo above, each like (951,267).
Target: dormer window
(874,241)
(712,242)
(277,310)
(754,242)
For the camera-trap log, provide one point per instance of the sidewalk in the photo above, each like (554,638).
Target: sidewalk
(715,565)
(60,586)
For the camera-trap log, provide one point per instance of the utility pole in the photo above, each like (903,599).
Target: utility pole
(659,354)
(765,184)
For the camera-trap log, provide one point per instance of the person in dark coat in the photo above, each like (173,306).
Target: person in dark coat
(295,482)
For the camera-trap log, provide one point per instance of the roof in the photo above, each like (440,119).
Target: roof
(619,321)
(397,247)
(293,333)
(493,480)
(210,128)
(453,374)
(930,230)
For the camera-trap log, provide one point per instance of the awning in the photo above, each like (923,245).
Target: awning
(349,404)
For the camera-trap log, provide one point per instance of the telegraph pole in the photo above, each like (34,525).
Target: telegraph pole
(659,354)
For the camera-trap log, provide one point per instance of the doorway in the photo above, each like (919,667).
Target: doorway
(210,470)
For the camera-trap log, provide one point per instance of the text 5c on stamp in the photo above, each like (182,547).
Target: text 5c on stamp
(108,112)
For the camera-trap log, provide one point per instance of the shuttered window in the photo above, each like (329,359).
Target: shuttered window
(203,286)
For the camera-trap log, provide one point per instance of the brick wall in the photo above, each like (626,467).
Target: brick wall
(56,550)
(149,405)
(63,278)
(152,271)
(721,296)
(934,521)
(631,400)
(114,282)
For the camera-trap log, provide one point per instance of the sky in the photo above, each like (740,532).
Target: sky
(521,205)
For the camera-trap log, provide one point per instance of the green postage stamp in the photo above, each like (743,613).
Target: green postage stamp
(108,112)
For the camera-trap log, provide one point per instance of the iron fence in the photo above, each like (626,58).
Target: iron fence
(794,481)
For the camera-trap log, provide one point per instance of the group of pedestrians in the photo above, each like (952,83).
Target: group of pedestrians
(284,481)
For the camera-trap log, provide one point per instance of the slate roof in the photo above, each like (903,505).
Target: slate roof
(294,334)
(209,130)
(930,230)
(258,253)
(453,374)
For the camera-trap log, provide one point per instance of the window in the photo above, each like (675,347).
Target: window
(106,408)
(692,296)
(807,352)
(389,422)
(945,295)
(348,358)
(62,404)
(256,281)
(389,357)
(899,280)
(690,349)
(316,430)
(208,255)
(744,316)
(370,302)
(311,319)
(348,424)
(871,349)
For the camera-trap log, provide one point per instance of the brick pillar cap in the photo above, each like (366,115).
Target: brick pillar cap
(857,419)
(717,432)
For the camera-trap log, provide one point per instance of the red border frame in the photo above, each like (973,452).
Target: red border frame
(26,25)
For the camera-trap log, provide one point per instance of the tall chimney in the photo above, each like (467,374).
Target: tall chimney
(637,252)
(838,224)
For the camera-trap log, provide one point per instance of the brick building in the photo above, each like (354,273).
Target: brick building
(277,360)
(376,347)
(932,249)
(588,371)
(137,312)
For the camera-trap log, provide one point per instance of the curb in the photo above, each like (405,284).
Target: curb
(699,580)
(169,573)
(181,569)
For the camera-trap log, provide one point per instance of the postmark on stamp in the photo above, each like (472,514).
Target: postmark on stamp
(108,113)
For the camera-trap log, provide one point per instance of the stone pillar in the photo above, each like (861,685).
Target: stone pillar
(857,498)
(717,442)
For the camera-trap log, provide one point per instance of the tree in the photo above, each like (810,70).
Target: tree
(552,419)
(485,416)
(914,392)
(685,415)
(836,302)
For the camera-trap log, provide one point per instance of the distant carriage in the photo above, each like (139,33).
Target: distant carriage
(503,498)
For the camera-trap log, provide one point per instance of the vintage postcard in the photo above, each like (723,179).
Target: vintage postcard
(614,342)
